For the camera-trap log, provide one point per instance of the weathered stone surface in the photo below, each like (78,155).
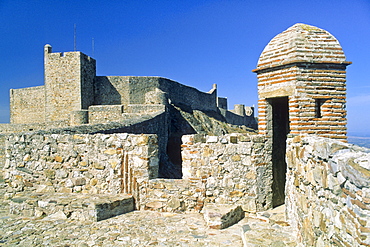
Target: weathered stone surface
(138,228)
(58,206)
(326,188)
(55,216)
(85,166)
(229,170)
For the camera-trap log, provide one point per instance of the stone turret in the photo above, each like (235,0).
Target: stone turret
(303,69)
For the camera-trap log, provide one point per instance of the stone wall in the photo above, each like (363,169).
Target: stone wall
(105,113)
(111,90)
(81,163)
(11,128)
(240,115)
(328,191)
(140,90)
(229,169)
(2,157)
(181,95)
(27,105)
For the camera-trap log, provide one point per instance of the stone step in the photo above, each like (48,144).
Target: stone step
(220,216)
(77,206)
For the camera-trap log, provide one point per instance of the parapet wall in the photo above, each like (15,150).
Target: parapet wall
(111,90)
(140,90)
(91,164)
(328,191)
(231,169)
(27,105)
(180,95)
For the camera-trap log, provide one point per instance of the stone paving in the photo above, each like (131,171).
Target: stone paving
(144,228)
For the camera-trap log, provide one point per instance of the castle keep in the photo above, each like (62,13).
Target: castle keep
(148,143)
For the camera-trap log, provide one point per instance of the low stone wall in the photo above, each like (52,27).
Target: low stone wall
(328,191)
(92,164)
(229,169)
(105,113)
(174,195)
(235,167)
(11,128)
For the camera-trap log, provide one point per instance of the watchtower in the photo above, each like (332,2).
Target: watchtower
(302,83)
(302,90)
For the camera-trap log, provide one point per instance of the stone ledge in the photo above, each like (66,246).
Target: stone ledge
(85,207)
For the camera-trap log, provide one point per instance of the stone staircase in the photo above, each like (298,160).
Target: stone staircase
(76,206)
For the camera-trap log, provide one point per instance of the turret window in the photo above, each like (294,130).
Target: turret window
(319,105)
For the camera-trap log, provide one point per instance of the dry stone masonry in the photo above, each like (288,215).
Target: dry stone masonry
(86,148)
(96,165)
(328,196)
(228,170)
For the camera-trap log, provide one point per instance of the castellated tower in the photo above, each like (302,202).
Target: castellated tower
(302,84)
(69,83)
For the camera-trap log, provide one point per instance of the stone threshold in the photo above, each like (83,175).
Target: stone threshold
(75,206)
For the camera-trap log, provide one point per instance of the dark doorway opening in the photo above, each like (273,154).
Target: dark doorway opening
(280,130)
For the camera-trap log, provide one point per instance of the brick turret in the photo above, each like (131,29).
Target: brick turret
(307,66)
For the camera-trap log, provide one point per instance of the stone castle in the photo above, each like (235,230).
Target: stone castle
(74,95)
(149,143)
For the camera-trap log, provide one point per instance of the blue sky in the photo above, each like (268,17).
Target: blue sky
(196,43)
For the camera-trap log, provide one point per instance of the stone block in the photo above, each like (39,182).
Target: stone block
(212,139)
(250,204)
(233,139)
(222,216)
(78,181)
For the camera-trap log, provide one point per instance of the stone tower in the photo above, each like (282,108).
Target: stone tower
(69,83)
(302,84)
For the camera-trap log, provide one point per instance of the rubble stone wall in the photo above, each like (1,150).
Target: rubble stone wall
(105,113)
(236,167)
(229,169)
(328,191)
(80,163)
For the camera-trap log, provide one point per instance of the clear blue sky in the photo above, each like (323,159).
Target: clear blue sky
(194,42)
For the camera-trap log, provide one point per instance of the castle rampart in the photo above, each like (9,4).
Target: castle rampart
(74,95)
(27,105)
(172,149)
